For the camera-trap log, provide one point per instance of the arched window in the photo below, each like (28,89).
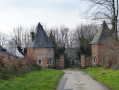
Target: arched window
(49,61)
(95,59)
(40,61)
(94,47)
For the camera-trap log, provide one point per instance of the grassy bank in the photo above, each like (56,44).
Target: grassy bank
(36,80)
(109,77)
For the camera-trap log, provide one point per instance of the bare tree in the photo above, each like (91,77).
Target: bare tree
(64,31)
(104,9)
(21,39)
(110,54)
(61,35)
(72,43)
(12,48)
(83,36)
(3,39)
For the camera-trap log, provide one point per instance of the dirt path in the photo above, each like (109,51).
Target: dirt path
(78,80)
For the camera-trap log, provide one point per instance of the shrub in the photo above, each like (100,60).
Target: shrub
(110,54)
(12,68)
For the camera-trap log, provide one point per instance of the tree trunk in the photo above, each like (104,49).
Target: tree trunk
(114,22)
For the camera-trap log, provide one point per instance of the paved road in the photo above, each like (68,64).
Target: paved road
(78,80)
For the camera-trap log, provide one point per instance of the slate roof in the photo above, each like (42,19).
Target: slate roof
(41,39)
(5,51)
(10,54)
(2,49)
(101,35)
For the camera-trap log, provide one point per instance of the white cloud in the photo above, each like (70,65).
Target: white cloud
(13,15)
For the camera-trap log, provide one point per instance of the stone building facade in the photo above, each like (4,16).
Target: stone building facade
(96,44)
(41,48)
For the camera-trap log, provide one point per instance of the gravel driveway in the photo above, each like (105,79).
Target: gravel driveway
(78,80)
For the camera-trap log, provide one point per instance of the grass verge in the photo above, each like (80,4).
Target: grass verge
(109,77)
(36,80)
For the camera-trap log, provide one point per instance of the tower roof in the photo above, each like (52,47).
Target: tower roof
(101,35)
(41,39)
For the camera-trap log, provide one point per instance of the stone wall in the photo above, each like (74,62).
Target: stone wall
(85,61)
(6,56)
(88,62)
(96,52)
(43,53)
(59,63)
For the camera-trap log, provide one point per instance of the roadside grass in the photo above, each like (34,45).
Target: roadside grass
(109,77)
(46,79)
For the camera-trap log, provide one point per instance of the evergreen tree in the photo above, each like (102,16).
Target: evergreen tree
(52,38)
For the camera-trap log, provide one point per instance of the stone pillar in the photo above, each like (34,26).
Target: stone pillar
(82,61)
(61,62)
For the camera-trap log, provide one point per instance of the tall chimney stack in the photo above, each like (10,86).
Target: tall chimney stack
(32,36)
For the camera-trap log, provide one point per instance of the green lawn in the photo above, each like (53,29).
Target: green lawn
(109,77)
(36,80)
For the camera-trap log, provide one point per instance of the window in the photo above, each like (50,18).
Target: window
(40,61)
(50,50)
(95,59)
(49,61)
(103,58)
(94,47)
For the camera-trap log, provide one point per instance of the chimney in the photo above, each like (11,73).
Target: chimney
(32,36)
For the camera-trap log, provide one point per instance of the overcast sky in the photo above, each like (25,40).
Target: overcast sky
(49,12)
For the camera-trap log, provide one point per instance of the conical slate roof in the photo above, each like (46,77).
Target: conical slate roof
(2,49)
(41,39)
(101,35)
